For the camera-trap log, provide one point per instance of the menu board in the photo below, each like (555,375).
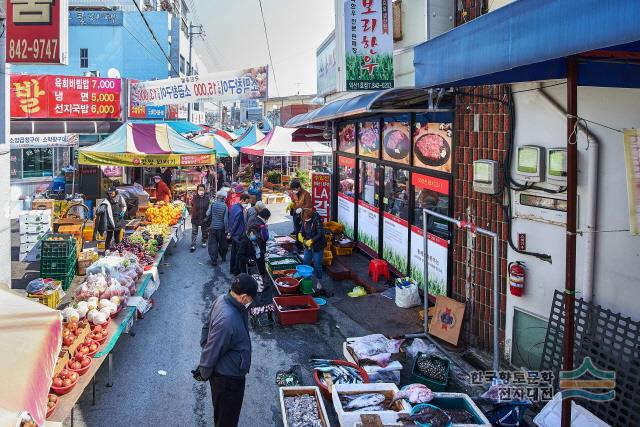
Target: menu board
(396,142)
(347,138)
(432,146)
(369,139)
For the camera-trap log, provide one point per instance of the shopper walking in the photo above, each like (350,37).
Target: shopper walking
(221,175)
(118,209)
(218,216)
(199,208)
(234,196)
(237,227)
(314,242)
(226,350)
(163,192)
(252,213)
(300,199)
(255,188)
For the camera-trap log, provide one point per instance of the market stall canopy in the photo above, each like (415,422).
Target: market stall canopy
(222,147)
(30,341)
(229,136)
(146,145)
(282,142)
(250,137)
(180,126)
(529,40)
(392,101)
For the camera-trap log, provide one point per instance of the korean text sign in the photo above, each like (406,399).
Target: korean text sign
(251,83)
(37,31)
(65,97)
(321,194)
(368,44)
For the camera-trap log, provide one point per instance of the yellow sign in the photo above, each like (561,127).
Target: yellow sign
(145,160)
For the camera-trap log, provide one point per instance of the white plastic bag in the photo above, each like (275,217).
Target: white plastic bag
(407,296)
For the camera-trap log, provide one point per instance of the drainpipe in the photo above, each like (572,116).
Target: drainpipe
(591,213)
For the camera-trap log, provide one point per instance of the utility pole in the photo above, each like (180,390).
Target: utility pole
(190,68)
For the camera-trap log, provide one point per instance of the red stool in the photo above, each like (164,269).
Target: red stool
(377,268)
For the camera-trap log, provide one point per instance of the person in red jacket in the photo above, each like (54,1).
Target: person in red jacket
(234,196)
(163,192)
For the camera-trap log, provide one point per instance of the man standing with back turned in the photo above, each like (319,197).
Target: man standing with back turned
(226,350)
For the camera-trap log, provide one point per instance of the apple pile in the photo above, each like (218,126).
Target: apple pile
(65,378)
(98,333)
(52,401)
(88,347)
(79,362)
(69,333)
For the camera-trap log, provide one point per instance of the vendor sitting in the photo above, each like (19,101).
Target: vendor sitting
(163,192)
(255,188)
(252,246)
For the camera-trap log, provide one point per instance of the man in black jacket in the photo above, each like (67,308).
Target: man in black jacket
(199,207)
(252,246)
(226,350)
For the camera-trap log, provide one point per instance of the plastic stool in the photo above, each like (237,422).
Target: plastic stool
(377,268)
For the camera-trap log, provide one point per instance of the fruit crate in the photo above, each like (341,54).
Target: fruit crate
(433,384)
(327,258)
(56,266)
(65,278)
(51,298)
(58,246)
(339,251)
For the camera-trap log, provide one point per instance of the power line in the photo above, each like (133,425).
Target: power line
(155,38)
(273,70)
(151,54)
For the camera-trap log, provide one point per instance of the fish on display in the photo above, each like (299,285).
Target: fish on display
(415,393)
(359,401)
(428,415)
(374,408)
(339,374)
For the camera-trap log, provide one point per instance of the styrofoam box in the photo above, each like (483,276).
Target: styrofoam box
(580,416)
(395,367)
(35,217)
(27,247)
(294,391)
(348,419)
(30,238)
(34,228)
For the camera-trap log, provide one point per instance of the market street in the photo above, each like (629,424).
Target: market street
(167,339)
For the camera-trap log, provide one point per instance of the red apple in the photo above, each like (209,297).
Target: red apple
(83,349)
(76,366)
(85,362)
(72,326)
(64,374)
(97,328)
(92,348)
(66,382)
(67,340)
(57,382)
(79,357)
(73,377)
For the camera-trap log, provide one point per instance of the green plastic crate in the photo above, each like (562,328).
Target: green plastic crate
(289,266)
(434,385)
(58,248)
(56,266)
(66,278)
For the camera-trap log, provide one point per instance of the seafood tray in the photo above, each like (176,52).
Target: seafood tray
(288,392)
(458,402)
(308,314)
(439,384)
(283,263)
(348,418)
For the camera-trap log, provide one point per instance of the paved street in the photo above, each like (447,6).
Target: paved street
(168,340)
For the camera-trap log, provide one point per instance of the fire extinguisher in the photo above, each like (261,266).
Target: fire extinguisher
(517,275)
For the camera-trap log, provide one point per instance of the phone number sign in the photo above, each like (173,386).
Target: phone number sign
(37,31)
(65,97)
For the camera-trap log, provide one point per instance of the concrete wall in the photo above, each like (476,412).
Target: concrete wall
(617,254)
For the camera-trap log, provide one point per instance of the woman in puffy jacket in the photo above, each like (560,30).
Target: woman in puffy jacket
(314,241)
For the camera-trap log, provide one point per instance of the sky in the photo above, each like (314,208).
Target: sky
(235,38)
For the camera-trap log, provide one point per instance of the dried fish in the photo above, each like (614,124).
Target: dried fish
(302,411)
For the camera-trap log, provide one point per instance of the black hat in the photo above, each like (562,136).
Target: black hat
(295,184)
(245,284)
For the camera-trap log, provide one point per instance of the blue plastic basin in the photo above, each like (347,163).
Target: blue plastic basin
(304,271)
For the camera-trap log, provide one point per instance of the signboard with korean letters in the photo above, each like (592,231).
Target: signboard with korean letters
(43,140)
(37,31)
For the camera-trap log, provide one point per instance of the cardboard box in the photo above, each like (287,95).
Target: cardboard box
(350,418)
(34,228)
(42,204)
(297,391)
(35,217)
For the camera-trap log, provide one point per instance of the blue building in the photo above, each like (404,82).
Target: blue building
(119,40)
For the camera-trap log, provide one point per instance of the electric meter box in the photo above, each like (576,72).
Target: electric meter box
(557,166)
(530,163)
(486,178)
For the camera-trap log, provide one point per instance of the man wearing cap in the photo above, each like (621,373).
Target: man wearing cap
(163,192)
(226,350)
(255,188)
(218,214)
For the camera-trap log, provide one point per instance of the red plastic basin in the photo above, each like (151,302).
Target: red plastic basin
(294,317)
(287,285)
(324,389)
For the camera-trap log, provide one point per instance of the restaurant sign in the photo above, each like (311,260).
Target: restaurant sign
(321,194)
(43,140)
(37,32)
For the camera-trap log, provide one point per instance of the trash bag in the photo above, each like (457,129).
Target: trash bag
(407,296)
(419,346)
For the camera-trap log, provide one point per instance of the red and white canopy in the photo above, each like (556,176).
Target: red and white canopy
(281,142)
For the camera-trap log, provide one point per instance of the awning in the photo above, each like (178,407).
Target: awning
(229,136)
(281,142)
(250,137)
(63,126)
(222,147)
(394,101)
(180,126)
(146,145)
(528,40)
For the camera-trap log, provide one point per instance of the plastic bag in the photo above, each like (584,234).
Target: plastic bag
(419,346)
(407,296)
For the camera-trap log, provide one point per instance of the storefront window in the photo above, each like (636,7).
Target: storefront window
(368,203)
(346,193)
(430,193)
(37,162)
(347,138)
(432,141)
(16,164)
(369,139)
(396,141)
(396,215)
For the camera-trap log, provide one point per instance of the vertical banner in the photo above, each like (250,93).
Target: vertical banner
(632,162)
(368,44)
(438,260)
(368,217)
(396,242)
(321,194)
(346,194)
(37,31)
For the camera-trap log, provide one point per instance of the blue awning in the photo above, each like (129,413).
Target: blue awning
(180,126)
(528,40)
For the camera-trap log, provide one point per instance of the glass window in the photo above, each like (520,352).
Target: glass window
(396,192)
(368,212)
(369,139)
(347,138)
(395,223)
(16,164)
(84,58)
(396,141)
(182,64)
(346,193)
(37,162)
(369,183)
(431,193)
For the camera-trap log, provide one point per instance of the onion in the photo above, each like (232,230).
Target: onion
(116,299)
(91,315)
(99,318)
(106,311)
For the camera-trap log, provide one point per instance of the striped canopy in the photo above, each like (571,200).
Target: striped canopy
(147,145)
(222,147)
(250,137)
(280,142)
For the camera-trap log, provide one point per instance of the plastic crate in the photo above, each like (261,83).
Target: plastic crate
(50,299)
(327,258)
(289,266)
(434,385)
(56,266)
(62,247)
(294,317)
(65,278)
(334,227)
(342,251)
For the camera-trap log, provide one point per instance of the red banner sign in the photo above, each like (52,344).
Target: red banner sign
(321,194)
(430,183)
(65,97)
(37,31)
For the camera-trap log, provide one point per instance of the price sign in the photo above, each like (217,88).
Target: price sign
(37,31)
